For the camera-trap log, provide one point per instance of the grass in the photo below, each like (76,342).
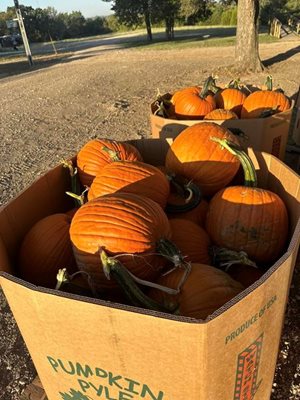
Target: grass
(193,42)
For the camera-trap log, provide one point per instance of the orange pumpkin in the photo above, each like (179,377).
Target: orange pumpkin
(131,177)
(197,214)
(230,99)
(45,249)
(247,218)
(95,154)
(193,102)
(204,291)
(263,102)
(191,240)
(125,225)
(195,156)
(220,114)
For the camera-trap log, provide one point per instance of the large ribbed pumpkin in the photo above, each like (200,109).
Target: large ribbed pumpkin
(191,240)
(131,177)
(190,103)
(230,99)
(97,153)
(125,225)
(194,155)
(205,290)
(45,249)
(264,100)
(248,219)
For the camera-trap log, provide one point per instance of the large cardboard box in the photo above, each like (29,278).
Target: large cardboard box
(85,348)
(264,134)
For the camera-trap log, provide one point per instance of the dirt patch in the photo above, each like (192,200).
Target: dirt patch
(48,114)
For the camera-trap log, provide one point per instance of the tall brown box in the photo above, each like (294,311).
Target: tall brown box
(100,350)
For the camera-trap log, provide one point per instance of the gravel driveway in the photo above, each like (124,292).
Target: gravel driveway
(48,114)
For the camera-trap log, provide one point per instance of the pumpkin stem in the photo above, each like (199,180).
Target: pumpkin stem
(170,251)
(64,282)
(234,84)
(269,111)
(80,199)
(75,185)
(189,191)
(250,178)
(113,154)
(134,294)
(209,84)
(269,82)
(224,258)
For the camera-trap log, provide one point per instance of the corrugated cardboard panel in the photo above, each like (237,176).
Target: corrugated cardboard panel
(92,348)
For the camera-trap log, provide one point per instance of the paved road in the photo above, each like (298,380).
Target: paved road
(99,44)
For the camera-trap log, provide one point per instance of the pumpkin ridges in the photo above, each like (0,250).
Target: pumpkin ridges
(132,177)
(122,223)
(230,99)
(262,100)
(220,114)
(92,157)
(204,162)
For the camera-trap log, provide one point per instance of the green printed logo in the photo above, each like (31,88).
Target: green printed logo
(246,384)
(74,395)
(97,383)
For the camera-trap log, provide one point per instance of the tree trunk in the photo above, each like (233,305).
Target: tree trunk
(148,25)
(246,48)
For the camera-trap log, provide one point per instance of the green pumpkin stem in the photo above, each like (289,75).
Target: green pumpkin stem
(224,258)
(113,267)
(269,82)
(234,84)
(209,84)
(64,283)
(250,178)
(113,154)
(75,184)
(80,198)
(189,191)
(170,251)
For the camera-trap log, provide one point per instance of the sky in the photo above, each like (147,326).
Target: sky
(89,8)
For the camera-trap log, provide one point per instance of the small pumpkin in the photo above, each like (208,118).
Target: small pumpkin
(193,102)
(45,249)
(131,177)
(231,99)
(95,154)
(265,102)
(196,215)
(191,240)
(129,226)
(196,157)
(220,114)
(205,289)
(247,218)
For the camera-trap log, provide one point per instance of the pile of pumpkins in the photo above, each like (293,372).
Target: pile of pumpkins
(212,102)
(184,237)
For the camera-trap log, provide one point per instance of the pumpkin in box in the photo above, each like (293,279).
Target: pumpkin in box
(131,177)
(131,227)
(95,154)
(247,218)
(196,157)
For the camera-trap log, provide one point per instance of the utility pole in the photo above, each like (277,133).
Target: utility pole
(23,32)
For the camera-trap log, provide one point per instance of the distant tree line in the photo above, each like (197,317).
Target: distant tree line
(41,24)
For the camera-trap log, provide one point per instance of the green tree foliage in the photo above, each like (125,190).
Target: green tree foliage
(281,9)
(41,24)
(193,10)
(134,13)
